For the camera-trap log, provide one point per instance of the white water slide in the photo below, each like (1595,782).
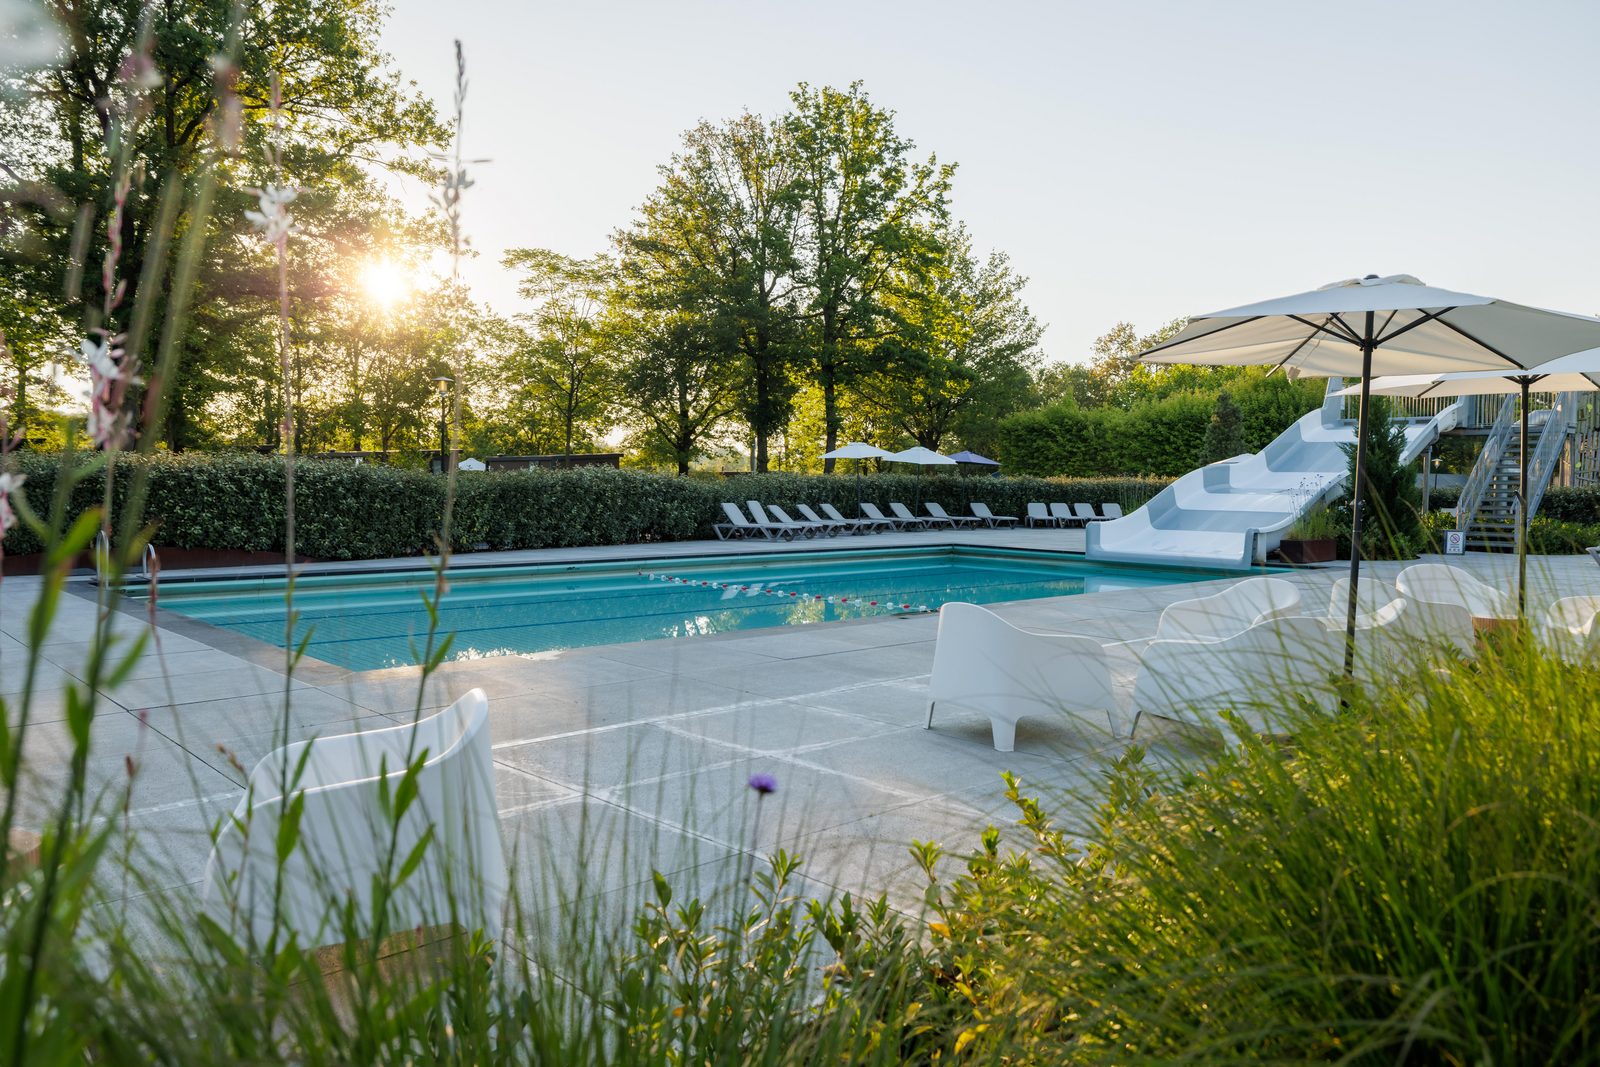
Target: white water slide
(1231,514)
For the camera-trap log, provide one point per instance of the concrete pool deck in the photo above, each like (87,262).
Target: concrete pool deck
(636,755)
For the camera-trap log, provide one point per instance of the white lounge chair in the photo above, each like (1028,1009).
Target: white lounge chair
(1063,515)
(877,524)
(345,840)
(1085,514)
(791,528)
(1039,515)
(837,525)
(1111,511)
(906,517)
(1569,628)
(939,513)
(814,527)
(737,525)
(1221,615)
(1255,673)
(1414,632)
(981,510)
(1438,583)
(984,663)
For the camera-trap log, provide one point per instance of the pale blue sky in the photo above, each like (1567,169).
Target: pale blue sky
(1138,160)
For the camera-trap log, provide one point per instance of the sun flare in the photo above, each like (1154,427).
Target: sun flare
(387,282)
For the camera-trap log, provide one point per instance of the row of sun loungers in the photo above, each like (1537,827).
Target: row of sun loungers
(772,521)
(1040,514)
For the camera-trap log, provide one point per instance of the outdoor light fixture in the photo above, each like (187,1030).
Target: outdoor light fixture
(444,385)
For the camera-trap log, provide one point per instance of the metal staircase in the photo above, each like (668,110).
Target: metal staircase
(1488,506)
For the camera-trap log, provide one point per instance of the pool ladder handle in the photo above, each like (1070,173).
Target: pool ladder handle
(149,564)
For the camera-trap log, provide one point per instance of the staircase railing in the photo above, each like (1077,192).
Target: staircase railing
(1494,449)
(1548,452)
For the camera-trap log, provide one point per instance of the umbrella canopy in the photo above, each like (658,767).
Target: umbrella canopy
(973,457)
(1372,325)
(858,450)
(1569,374)
(927,457)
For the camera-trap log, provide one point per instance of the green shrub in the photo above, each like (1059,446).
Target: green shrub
(1412,881)
(356,511)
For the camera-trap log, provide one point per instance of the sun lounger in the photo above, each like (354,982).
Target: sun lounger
(982,662)
(906,517)
(816,526)
(1063,515)
(982,511)
(1085,514)
(837,525)
(938,512)
(1111,511)
(876,524)
(871,511)
(1039,515)
(737,525)
(793,529)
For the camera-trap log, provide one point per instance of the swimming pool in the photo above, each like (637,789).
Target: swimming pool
(369,621)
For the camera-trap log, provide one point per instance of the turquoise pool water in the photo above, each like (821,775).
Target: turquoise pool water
(365,622)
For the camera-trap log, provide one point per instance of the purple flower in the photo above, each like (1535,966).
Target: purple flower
(763,783)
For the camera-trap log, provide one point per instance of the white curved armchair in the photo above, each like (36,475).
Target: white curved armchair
(1421,624)
(1440,584)
(1236,608)
(1569,629)
(345,839)
(983,662)
(1255,672)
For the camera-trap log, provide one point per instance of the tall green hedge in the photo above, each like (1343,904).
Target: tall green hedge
(349,511)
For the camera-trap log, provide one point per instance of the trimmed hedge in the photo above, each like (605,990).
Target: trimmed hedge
(349,511)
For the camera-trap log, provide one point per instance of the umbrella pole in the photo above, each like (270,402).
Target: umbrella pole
(1358,504)
(1522,507)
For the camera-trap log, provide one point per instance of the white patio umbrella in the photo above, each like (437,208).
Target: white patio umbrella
(858,450)
(1569,374)
(925,457)
(1372,325)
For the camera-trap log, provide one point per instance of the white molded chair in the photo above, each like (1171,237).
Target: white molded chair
(986,664)
(1236,608)
(345,840)
(1256,673)
(1441,584)
(1039,515)
(1420,624)
(1569,629)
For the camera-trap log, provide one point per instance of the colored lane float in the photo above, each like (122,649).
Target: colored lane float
(759,589)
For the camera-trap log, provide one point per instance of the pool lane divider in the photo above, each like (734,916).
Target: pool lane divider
(761,589)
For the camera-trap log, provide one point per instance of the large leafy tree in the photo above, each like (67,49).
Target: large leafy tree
(717,241)
(964,355)
(869,218)
(138,93)
(675,389)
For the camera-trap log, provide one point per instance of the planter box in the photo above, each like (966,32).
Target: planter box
(1318,550)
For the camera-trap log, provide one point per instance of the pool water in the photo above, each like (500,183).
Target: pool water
(369,621)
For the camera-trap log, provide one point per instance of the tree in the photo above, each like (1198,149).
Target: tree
(965,351)
(1225,433)
(137,98)
(1392,525)
(869,217)
(562,360)
(673,384)
(717,240)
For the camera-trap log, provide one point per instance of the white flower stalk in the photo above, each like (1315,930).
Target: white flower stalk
(273,220)
(9,483)
(109,379)
(29,36)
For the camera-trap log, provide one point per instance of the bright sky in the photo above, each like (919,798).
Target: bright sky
(1138,160)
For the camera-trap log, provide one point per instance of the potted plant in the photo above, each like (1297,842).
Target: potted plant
(1312,539)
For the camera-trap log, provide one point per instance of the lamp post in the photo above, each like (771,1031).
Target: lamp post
(443,385)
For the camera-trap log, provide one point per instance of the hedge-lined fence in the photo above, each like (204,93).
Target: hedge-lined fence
(351,511)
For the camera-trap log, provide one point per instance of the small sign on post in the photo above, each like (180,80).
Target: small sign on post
(1455,542)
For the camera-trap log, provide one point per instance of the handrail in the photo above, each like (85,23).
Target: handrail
(1494,447)
(150,563)
(1548,452)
